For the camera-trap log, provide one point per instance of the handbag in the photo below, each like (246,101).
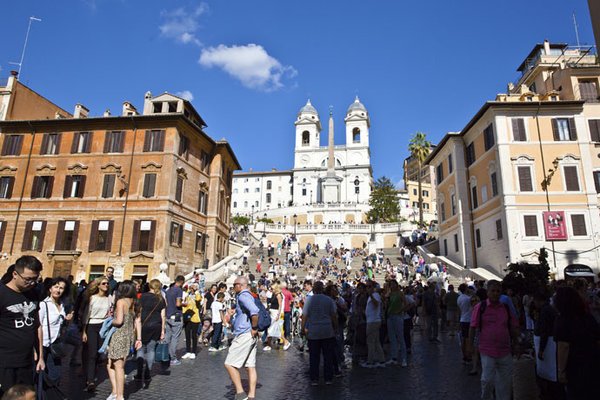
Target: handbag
(57,348)
(161,353)
(47,390)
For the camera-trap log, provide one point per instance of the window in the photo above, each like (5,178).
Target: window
(594,129)
(596,182)
(184,145)
(66,235)
(525,184)
(200,242)
(143,236)
(571,178)
(477,238)
(356,189)
(518,128)
(179,189)
(494,182)
(101,236)
(415,192)
(268,197)
(172,106)
(256,190)
(488,137)
(269,185)
(356,135)
(50,144)
(445,247)
(245,204)
(443,211)
(149,185)
(34,235)
(564,129)
(108,186)
(588,91)
(156,107)
(176,236)
(450,164)
(470,154)
(82,142)
(425,193)
(235,204)
(204,162)
(154,140)
(6,186)
(12,145)
(499,234)
(202,202)
(114,142)
(303,191)
(484,195)
(426,206)
(474,200)
(455,243)
(453,203)
(235,191)
(256,203)
(531,228)
(439,173)
(74,186)
(42,187)
(305,138)
(246,190)
(578,224)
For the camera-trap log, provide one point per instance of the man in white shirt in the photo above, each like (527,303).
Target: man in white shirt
(465,308)
(375,357)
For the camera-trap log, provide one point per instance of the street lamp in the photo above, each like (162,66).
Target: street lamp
(295,223)
(264,225)
(356,190)
(252,215)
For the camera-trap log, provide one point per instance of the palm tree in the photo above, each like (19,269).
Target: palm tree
(419,148)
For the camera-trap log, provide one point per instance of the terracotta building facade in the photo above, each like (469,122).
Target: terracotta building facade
(130,191)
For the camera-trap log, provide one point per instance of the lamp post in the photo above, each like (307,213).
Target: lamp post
(252,215)
(356,190)
(295,223)
(264,225)
(311,196)
(545,183)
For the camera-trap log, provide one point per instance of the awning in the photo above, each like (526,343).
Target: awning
(579,270)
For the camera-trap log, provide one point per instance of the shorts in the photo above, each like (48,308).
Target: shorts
(242,352)
(464,329)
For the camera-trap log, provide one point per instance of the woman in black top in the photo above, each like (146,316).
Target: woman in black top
(276,311)
(153,318)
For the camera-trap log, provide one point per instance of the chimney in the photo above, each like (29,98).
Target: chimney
(14,73)
(546,47)
(148,103)
(129,109)
(107,112)
(80,111)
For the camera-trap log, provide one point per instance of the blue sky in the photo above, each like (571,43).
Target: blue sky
(248,66)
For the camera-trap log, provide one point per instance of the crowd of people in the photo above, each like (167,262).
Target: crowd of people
(344,317)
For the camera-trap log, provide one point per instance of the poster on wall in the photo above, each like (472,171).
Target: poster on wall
(555,225)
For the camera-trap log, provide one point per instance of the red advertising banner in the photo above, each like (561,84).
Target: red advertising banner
(555,225)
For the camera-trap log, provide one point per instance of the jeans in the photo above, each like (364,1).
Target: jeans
(172,334)
(496,373)
(287,324)
(90,351)
(216,338)
(432,326)
(374,349)
(145,356)
(52,366)
(395,328)
(316,347)
(191,337)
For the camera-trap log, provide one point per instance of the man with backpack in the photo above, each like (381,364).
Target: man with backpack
(498,331)
(242,353)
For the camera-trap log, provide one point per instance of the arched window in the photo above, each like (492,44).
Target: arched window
(268,197)
(235,204)
(305,138)
(356,135)
(269,184)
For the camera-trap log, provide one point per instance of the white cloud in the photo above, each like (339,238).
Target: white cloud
(186,95)
(181,24)
(250,64)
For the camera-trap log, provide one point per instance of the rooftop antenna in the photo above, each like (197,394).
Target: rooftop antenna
(576,28)
(20,63)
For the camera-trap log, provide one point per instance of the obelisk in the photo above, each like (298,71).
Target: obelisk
(331,182)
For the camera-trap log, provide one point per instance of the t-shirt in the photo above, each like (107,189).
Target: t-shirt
(151,320)
(216,307)
(319,310)
(451,301)
(19,321)
(373,312)
(288,299)
(494,335)
(174,293)
(464,304)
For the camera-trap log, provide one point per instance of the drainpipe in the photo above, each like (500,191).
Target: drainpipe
(127,187)
(471,224)
(12,242)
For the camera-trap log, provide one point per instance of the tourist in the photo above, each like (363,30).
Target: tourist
(52,316)
(97,310)
(319,323)
(466,309)
(112,283)
(288,300)
(191,303)
(218,318)
(153,321)
(21,344)
(431,311)
(396,306)
(122,340)
(174,315)
(276,310)
(242,352)
(375,356)
(451,309)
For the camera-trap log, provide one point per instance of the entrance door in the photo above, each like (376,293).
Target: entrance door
(62,268)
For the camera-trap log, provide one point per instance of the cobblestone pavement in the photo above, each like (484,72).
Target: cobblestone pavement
(435,371)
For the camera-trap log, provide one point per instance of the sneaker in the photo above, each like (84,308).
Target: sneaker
(267,348)
(222,348)
(175,362)
(380,365)
(314,383)
(241,396)
(192,356)
(391,361)
(113,396)
(287,346)
(213,349)
(367,365)
(185,356)
(404,364)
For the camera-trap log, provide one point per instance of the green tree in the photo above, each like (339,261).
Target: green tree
(384,202)
(419,148)
(240,220)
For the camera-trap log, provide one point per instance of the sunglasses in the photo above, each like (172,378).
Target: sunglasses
(104,283)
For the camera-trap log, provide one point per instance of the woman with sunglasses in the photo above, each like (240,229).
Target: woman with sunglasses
(52,315)
(97,309)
